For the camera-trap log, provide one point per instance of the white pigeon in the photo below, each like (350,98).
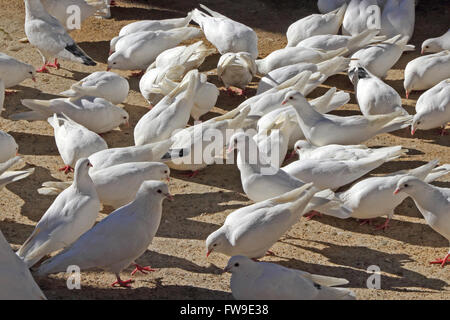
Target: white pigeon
(7,177)
(373,197)
(424,72)
(307,151)
(156,25)
(252,230)
(293,55)
(380,58)
(236,69)
(74,141)
(329,42)
(433,203)
(322,130)
(119,239)
(251,280)
(326,69)
(152,152)
(225,34)
(438,44)
(116,185)
(63,10)
(333,174)
(261,181)
(71,214)
(315,24)
(16,281)
(433,108)
(8,146)
(170,114)
(102,84)
(137,51)
(398,17)
(373,95)
(47,34)
(13,71)
(96,114)
(359,16)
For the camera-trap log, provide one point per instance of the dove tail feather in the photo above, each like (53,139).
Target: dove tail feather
(77,52)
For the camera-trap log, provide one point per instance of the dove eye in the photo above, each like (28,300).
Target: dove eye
(236,264)
(159,191)
(215,245)
(406,185)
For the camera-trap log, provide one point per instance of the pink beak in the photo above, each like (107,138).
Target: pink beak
(169,196)
(413,131)
(34,79)
(208,253)
(284,102)
(108,68)
(396,191)
(407,95)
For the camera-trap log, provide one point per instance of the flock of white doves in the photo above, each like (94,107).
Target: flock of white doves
(328,146)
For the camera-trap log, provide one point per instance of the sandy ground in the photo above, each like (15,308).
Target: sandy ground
(327,246)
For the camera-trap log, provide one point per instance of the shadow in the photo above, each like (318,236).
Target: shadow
(35,144)
(98,50)
(14,232)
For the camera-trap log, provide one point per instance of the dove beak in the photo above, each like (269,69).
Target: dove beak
(169,196)
(284,102)
(407,94)
(226,269)
(34,79)
(413,130)
(230,149)
(209,252)
(108,68)
(396,191)
(127,124)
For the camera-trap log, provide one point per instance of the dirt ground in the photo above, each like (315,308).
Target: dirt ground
(327,246)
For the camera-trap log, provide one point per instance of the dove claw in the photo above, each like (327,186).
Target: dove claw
(66,169)
(122,283)
(383,226)
(142,269)
(442,262)
(312,214)
(364,221)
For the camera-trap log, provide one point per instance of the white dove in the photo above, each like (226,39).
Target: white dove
(119,239)
(102,84)
(306,151)
(433,203)
(424,72)
(8,146)
(7,177)
(64,9)
(438,44)
(225,34)
(137,51)
(152,152)
(252,230)
(321,72)
(71,214)
(329,42)
(373,95)
(373,197)
(315,24)
(2,95)
(333,174)
(116,185)
(293,55)
(170,114)
(96,114)
(47,34)
(16,281)
(236,69)
(13,71)
(74,141)
(251,280)
(379,58)
(261,181)
(359,16)
(322,130)
(433,108)
(398,17)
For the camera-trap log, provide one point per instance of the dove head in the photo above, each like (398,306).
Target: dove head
(409,82)
(30,72)
(239,264)
(301,144)
(293,97)
(117,60)
(430,46)
(154,190)
(407,184)
(82,172)
(418,123)
(160,171)
(238,141)
(121,115)
(218,242)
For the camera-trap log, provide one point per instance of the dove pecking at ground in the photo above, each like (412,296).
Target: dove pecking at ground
(433,203)
(47,34)
(16,281)
(13,71)
(119,239)
(226,34)
(236,69)
(71,214)
(96,114)
(438,44)
(74,141)
(398,17)
(315,24)
(425,72)
(252,280)
(101,84)
(322,130)
(433,108)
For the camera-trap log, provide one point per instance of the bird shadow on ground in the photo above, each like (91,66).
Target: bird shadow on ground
(38,205)
(433,136)
(97,50)
(394,166)
(14,232)
(361,258)
(35,144)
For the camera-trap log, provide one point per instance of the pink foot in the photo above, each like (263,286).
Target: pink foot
(312,214)
(150,106)
(443,132)
(43,69)
(191,174)
(137,73)
(54,64)
(442,262)
(66,169)
(270,253)
(142,269)
(10,92)
(121,283)
(365,221)
(383,226)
